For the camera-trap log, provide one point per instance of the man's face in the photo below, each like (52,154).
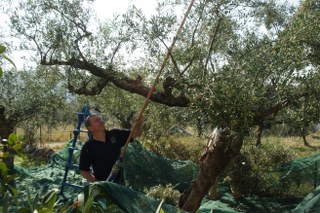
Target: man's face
(96,124)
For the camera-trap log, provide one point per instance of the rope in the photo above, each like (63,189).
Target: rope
(153,87)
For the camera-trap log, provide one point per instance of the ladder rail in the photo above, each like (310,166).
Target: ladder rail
(70,165)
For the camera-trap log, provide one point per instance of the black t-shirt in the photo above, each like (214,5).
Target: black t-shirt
(103,155)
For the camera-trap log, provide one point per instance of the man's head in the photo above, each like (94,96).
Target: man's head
(94,123)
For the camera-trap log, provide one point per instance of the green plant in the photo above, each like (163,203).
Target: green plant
(5,202)
(254,165)
(94,199)
(14,145)
(11,147)
(36,204)
(7,181)
(8,192)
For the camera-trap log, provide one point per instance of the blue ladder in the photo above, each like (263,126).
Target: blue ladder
(70,165)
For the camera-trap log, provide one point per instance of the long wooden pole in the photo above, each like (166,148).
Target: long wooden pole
(153,87)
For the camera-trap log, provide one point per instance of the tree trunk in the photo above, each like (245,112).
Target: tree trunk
(7,125)
(217,160)
(259,134)
(303,135)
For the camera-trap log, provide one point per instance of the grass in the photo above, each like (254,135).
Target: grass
(56,138)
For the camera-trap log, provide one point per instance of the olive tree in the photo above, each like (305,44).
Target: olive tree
(28,97)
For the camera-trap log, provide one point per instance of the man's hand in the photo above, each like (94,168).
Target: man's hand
(138,124)
(88,175)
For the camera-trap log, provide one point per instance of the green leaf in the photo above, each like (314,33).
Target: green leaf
(1,72)
(5,202)
(3,169)
(13,191)
(96,208)
(23,210)
(35,202)
(12,177)
(88,205)
(45,210)
(2,49)
(12,139)
(17,147)
(50,199)
(29,200)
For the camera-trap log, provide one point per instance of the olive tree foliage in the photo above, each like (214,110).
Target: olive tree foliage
(235,63)
(61,34)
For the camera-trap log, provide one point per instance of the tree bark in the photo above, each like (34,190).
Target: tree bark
(217,160)
(259,134)
(110,75)
(303,135)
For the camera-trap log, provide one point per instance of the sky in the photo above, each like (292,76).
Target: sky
(104,10)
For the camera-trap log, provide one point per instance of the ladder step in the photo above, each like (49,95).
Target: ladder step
(81,130)
(81,113)
(73,166)
(74,149)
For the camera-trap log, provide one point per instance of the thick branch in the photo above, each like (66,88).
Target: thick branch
(277,107)
(165,97)
(102,83)
(121,81)
(218,157)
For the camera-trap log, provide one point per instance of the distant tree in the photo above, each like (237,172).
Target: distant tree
(28,96)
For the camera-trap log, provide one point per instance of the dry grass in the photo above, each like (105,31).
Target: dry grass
(296,143)
(57,138)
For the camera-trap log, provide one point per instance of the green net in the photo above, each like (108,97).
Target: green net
(311,203)
(144,170)
(129,200)
(302,171)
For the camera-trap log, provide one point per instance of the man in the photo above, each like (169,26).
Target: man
(103,149)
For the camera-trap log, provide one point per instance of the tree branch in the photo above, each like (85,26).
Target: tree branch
(277,107)
(213,39)
(120,80)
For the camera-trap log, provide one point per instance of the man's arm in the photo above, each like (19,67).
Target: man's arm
(88,175)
